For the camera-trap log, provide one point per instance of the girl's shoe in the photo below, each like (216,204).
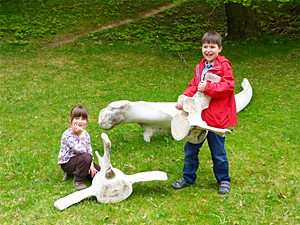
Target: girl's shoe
(79,185)
(65,177)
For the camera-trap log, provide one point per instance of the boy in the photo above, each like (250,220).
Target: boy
(221,113)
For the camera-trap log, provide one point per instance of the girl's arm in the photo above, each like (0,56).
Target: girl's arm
(92,170)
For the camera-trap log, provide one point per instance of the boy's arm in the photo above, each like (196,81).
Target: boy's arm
(192,87)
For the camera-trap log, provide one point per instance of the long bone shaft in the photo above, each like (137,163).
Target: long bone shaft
(147,176)
(74,198)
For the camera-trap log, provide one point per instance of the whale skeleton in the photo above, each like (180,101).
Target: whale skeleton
(156,117)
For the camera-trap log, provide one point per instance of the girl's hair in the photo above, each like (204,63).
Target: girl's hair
(79,111)
(212,37)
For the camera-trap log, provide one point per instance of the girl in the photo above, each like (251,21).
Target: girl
(75,156)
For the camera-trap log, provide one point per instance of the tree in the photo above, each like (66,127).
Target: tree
(242,21)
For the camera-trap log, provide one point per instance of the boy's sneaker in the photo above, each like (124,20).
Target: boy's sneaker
(79,185)
(224,187)
(181,183)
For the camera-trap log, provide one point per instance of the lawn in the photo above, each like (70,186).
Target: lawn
(40,85)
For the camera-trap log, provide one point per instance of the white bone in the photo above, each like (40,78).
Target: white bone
(155,117)
(189,125)
(243,98)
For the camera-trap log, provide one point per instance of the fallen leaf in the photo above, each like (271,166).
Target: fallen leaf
(282,195)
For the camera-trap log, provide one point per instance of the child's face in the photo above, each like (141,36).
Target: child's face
(80,121)
(210,51)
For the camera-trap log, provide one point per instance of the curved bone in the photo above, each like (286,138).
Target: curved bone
(155,117)
(243,98)
(189,125)
(110,184)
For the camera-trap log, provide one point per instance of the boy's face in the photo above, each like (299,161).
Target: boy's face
(210,51)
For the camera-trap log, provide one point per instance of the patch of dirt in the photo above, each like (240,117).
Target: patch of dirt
(109,26)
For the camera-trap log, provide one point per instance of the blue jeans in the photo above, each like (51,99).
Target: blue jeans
(218,154)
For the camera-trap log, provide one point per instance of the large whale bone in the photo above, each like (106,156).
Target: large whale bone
(110,184)
(243,98)
(155,117)
(188,125)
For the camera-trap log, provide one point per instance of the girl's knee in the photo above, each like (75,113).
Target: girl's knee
(86,157)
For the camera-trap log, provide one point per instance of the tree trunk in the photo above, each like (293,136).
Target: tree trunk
(242,22)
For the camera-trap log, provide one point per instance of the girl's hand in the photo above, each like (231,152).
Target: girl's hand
(76,129)
(92,170)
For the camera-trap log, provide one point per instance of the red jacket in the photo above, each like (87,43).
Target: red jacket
(221,112)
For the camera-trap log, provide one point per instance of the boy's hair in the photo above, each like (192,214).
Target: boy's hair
(79,111)
(212,37)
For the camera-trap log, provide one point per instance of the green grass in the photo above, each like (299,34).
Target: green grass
(38,89)
(28,22)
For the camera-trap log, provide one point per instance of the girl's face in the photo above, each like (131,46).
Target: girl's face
(210,51)
(80,122)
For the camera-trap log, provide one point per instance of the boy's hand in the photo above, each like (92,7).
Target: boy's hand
(202,86)
(179,107)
